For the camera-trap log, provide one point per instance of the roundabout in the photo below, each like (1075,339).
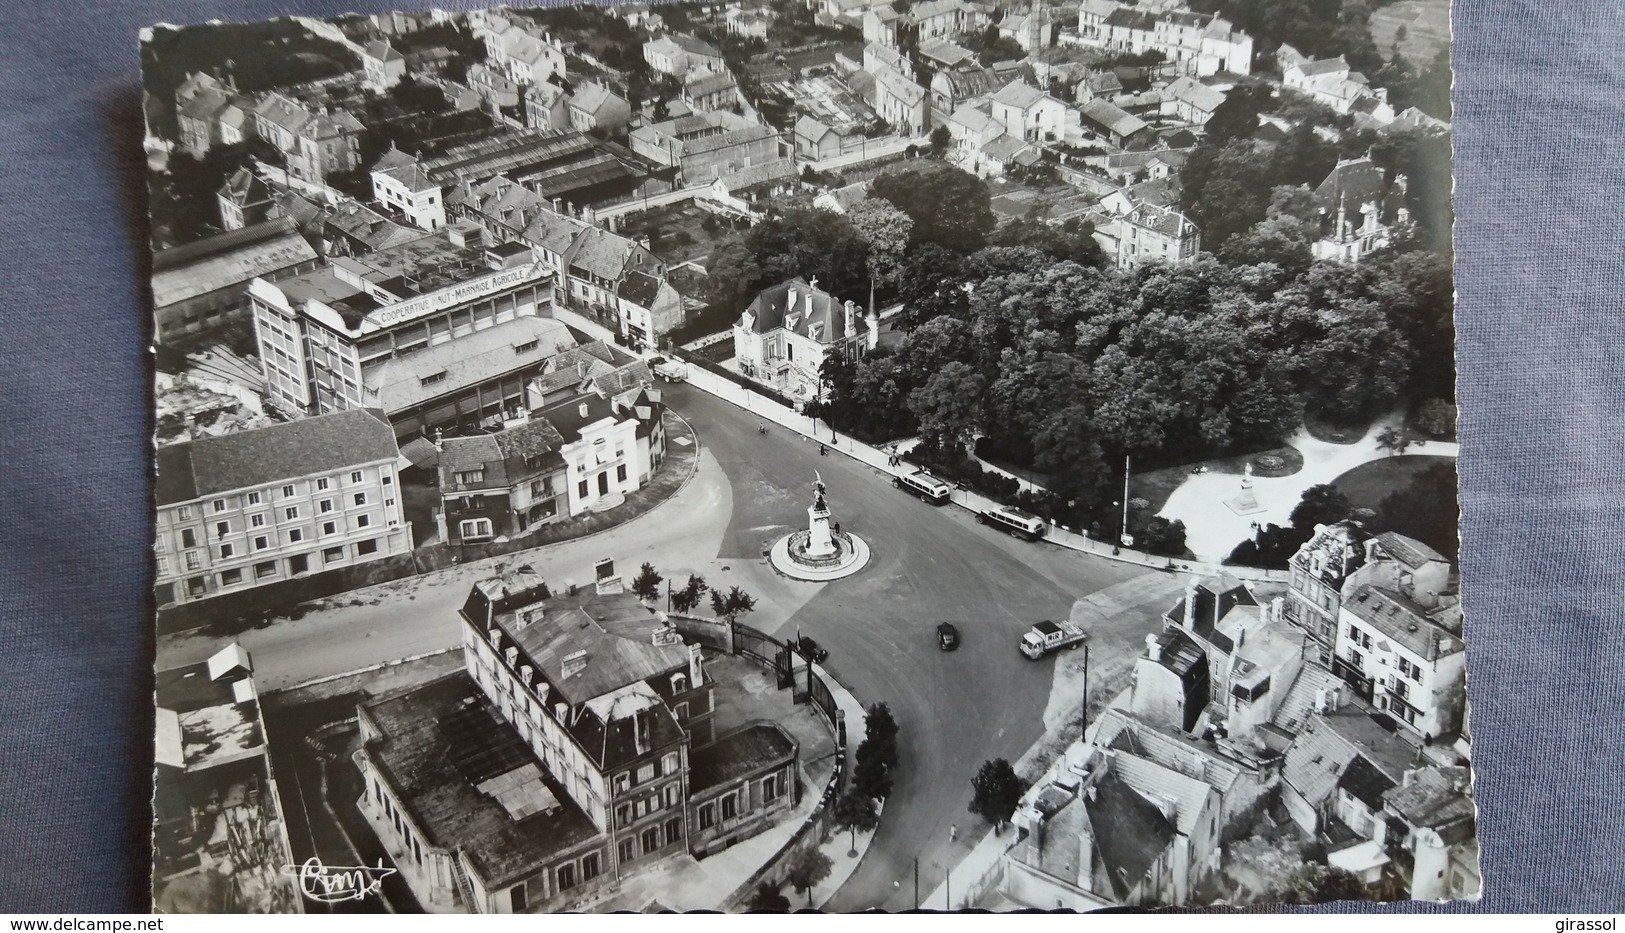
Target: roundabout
(821,552)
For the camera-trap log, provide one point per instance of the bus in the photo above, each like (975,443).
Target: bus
(1020,524)
(923,485)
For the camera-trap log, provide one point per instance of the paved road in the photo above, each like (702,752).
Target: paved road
(955,709)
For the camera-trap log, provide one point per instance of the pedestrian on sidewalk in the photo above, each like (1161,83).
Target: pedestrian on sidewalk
(953,832)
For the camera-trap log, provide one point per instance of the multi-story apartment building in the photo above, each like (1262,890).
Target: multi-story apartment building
(324,336)
(1400,647)
(241,510)
(553,463)
(1319,570)
(315,144)
(1195,43)
(1344,555)
(577,747)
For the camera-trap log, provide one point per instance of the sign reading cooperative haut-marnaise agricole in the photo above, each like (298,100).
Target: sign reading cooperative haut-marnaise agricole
(457,294)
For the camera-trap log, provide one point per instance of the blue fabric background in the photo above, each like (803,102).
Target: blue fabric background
(1539,102)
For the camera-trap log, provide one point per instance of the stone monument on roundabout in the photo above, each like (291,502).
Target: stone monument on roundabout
(821,552)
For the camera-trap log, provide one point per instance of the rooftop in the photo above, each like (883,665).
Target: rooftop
(817,314)
(739,753)
(438,744)
(405,381)
(207,466)
(1396,617)
(228,259)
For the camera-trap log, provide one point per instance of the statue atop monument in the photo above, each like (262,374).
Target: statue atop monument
(818,493)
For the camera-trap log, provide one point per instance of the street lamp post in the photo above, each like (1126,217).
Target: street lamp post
(1125,537)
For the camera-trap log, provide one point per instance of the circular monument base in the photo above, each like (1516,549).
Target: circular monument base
(789,556)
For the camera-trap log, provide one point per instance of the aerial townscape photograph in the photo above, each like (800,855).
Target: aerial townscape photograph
(781,455)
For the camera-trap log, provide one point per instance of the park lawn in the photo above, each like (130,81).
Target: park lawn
(1369,483)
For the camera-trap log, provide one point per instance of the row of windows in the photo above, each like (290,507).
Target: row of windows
(264,570)
(729,805)
(288,491)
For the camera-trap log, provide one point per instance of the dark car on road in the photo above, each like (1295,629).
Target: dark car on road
(947,636)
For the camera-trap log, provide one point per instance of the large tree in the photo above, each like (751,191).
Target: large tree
(855,813)
(807,868)
(996,792)
(948,405)
(885,232)
(949,206)
(812,244)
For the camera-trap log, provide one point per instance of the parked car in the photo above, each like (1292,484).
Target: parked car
(669,369)
(947,636)
(811,650)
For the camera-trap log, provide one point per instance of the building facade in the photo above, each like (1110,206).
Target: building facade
(241,510)
(610,761)
(324,336)
(788,330)
(399,182)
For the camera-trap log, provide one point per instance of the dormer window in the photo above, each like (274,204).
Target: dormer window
(432,379)
(679,683)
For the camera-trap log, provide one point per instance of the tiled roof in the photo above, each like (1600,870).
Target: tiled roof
(323,444)
(737,754)
(1130,832)
(1163,220)
(1003,147)
(1114,118)
(601,253)
(1152,781)
(760,174)
(1407,550)
(1316,759)
(816,311)
(709,84)
(593,97)
(695,46)
(808,128)
(1434,797)
(1117,728)
(1195,93)
(640,288)
(1403,620)
(1324,66)
(899,85)
(382,51)
(1018,94)
(1299,704)
(616,632)
(1356,180)
(947,53)
(1125,18)
(554,232)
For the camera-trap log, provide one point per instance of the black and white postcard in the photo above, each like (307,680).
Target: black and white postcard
(846,454)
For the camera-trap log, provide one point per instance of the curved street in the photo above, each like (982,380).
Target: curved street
(955,709)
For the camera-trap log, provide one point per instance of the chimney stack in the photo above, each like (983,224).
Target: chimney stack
(1190,605)
(1152,649)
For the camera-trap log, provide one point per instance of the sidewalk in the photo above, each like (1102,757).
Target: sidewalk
(858,450)
(965,884)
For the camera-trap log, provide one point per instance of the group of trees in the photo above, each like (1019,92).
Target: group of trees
(727,606)
(855,812)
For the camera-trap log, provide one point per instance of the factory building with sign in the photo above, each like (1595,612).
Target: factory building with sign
(376,331)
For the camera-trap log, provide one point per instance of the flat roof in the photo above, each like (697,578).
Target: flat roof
(438,743)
